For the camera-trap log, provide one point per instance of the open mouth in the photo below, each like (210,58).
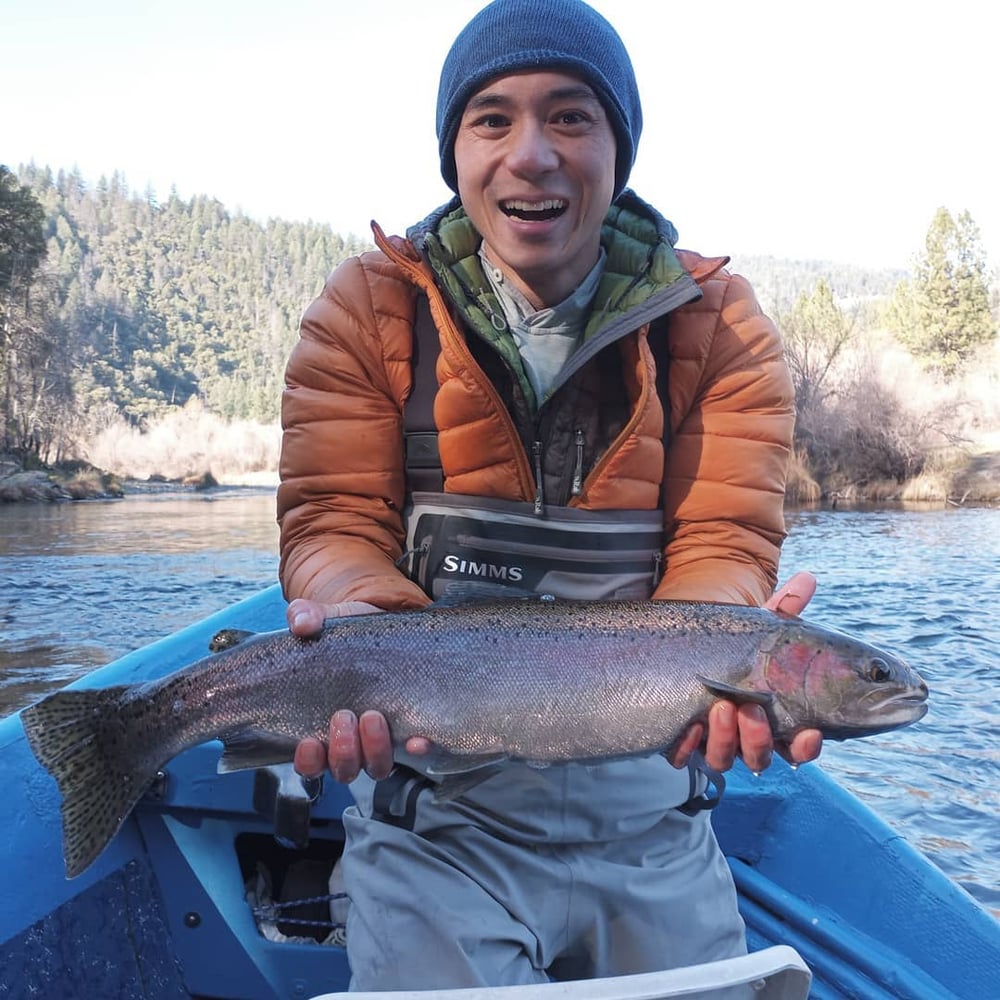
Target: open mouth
(534,211)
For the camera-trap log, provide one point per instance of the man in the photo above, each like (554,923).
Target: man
(556,298)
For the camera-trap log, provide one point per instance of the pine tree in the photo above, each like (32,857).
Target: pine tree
(25,335)
(943,315)
(816,332)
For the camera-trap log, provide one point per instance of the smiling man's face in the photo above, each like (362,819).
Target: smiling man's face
(535,157)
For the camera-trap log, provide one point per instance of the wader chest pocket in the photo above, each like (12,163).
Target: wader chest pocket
(585,555)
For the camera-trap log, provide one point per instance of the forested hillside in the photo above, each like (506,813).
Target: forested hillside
(779,281)
(146,304)
(124,320)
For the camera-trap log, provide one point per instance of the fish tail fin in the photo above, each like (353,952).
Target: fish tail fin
(80,738)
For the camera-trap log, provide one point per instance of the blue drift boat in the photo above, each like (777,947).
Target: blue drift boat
(195,897)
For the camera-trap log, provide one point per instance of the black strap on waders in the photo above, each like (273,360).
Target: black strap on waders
(420,435)
(699,799)
(395,798)
(422,460)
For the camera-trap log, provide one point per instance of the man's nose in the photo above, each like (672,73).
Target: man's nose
(531,150)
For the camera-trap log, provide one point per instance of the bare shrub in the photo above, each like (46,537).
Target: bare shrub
(860,434)
(187,443)
(888,430)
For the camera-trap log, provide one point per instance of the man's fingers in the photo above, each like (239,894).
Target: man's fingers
(305,618)
(344,746)
(723,736)
(805,746)
(376,744)
(310,757)
(688,744)
(793,595)
(756,740)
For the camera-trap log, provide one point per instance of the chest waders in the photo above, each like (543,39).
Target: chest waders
(454,542)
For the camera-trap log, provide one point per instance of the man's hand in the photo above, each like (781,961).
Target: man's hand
(352,743)
(744,730)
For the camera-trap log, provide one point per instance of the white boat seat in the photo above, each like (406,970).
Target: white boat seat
(776,973)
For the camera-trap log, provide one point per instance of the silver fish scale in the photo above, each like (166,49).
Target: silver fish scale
(541,684)
(533,680)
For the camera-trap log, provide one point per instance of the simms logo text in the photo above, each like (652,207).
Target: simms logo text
(489,571)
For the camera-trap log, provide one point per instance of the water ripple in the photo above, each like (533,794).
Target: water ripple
(84,583)
(924,584)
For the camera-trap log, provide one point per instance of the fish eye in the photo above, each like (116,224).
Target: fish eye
(878,671)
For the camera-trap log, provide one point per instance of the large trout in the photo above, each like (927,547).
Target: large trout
(538,680)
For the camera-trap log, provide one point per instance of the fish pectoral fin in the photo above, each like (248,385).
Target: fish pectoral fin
(251,748)
(740,695)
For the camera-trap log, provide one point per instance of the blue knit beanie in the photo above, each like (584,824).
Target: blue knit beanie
(510,36)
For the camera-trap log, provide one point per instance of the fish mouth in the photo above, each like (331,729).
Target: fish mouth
(911,706)
(538,210)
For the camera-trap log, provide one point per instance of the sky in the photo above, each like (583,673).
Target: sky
(803,130)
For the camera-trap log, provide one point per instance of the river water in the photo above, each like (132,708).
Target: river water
(83,583)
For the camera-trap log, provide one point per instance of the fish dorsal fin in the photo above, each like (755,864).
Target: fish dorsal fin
(226,638)
(461,592)
(740,695)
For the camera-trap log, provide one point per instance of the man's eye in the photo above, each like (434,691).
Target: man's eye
(491,121)
(572,118)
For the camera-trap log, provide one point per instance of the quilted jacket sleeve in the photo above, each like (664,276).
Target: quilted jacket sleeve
(732,416)
(342,480)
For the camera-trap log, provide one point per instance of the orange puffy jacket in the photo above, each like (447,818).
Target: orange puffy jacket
(730,419)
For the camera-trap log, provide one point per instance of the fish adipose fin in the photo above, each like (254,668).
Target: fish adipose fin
(79,737)
(740,695)
(252,748)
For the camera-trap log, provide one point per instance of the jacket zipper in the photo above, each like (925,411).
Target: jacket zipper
(457,344)
(680,293)
(539,509)
(577,488)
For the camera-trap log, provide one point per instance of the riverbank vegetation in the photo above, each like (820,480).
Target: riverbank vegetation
(142,341)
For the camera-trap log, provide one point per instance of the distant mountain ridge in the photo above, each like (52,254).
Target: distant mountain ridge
(778,281)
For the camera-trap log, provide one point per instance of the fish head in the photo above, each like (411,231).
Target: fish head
(827,680)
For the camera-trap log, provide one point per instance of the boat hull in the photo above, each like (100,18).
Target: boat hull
(163,912)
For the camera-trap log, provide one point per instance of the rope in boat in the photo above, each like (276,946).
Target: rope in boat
(274,912)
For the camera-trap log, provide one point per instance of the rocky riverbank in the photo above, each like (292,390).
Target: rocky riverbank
(968,480)
(80,481)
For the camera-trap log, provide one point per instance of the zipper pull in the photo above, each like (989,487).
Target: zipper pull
(657,569)
(577,487)
(539,488)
